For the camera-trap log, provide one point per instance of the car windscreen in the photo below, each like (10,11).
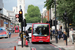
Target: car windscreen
(2,29)
(40,29)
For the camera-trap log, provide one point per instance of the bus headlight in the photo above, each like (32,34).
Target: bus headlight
(47,37)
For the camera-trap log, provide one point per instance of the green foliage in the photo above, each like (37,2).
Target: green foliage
(33,14)
(44,20)
(48,4)
(68,6)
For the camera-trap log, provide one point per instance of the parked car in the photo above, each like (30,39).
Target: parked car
(3,32)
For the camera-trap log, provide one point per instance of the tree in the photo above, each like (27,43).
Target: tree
(69,7)
(33,14)
(48,4)
(44,20)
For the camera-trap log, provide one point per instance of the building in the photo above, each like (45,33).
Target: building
(48,16)
(20,5)
(7,18)
(11,15)
(4,19)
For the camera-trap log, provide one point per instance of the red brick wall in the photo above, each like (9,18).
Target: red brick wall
(47,16)
(2,22)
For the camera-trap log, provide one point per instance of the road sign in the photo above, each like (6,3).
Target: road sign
(5,22)
(17,15)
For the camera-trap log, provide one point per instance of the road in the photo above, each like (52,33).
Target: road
(9,43)
(44,46)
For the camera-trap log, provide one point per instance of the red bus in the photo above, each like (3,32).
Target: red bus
(40,32)
(16,28)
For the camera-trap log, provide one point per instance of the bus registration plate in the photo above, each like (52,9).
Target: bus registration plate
(40,41)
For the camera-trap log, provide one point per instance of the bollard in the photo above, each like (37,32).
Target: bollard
(14,47)
(26,43)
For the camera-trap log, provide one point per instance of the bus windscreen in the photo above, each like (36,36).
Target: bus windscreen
(41,30)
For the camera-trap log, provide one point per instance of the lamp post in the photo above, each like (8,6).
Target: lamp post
(56,35)
(66,18)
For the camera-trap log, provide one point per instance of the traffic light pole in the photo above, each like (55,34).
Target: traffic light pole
(22,31)
(66,31)
(56,35)
(22,26)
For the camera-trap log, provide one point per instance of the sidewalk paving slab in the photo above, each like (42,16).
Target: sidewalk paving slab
(61,44)
(24,48)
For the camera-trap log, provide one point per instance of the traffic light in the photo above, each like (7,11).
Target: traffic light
(17,17)
(50,22)
(24,23)
(54,23)
(20,16)
(65,16)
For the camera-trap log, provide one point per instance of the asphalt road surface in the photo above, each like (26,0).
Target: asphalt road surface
(8,43)
(43,46)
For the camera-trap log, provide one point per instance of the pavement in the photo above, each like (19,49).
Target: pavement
(24,48)
(14,35)
(61,44)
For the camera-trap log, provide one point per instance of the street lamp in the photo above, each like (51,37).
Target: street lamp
(56,36)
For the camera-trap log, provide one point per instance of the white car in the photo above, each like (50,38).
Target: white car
(29,28)
(29,35)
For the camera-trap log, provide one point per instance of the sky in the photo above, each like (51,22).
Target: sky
(9,4)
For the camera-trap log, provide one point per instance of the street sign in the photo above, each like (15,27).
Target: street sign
(5,22)
(17,15)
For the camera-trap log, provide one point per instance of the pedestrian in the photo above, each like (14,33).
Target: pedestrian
(54,32)
(27,35)
(65,37)
(60,34)
(71,35)
(9,34)
(20,35)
